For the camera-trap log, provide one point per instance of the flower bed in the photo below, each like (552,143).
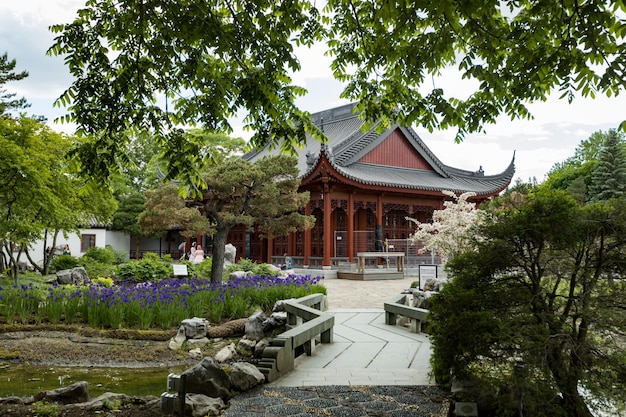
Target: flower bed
(150,304)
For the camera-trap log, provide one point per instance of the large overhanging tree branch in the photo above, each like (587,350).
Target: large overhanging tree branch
(153,65)
(149,65)
(389,54)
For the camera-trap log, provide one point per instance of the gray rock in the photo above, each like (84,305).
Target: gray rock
(230,254)
(420,299)
(254,326)
(104,403)
(75,393)
(245,376)
(260,346)
(239,274)
(280,305)
(276,320)
(195,353)
(12,400)
(76,276)
(209,379)
(246,346)
(199,405)
(99,402)
(195,328)
(197,343)
(226,353)
(177,341)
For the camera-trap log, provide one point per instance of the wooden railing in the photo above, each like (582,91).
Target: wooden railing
(279,357)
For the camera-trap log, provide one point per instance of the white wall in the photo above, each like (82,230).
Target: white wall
(117,240)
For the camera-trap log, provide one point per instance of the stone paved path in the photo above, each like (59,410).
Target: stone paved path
(370,369)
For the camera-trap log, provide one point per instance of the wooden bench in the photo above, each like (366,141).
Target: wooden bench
(397,306)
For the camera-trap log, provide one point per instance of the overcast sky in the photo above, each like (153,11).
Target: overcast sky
(551,137)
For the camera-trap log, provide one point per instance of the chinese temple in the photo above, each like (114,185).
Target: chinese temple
(363,184)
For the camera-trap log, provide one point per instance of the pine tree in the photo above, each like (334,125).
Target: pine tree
(608,179)
(7,100)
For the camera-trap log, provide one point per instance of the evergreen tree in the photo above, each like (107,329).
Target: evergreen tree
(608,179)
(126,218)
(532,312)
(7,73)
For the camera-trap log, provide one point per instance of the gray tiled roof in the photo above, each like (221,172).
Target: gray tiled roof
(347,143)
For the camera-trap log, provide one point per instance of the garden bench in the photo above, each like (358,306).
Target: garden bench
(279,357)
(397,306)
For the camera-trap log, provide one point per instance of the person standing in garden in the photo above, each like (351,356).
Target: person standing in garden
(199,256)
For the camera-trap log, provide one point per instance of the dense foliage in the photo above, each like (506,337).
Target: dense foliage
(542,294)
(596,171)
(207,60)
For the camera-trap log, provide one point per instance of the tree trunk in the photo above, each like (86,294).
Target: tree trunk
(567,381)
(137,246)
(217,253)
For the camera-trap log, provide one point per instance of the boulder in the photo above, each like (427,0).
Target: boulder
(199,405)
(254,326)
(198,343)
(246,346)
(239,275)
(76,276)
(276,320)
(107,404)
(226,353)
(260,346)
(209,379)
(420,299)
(433,284)
(245,376)
(75,393)
(195,353)
(177,341)
(230,254)
(195,328)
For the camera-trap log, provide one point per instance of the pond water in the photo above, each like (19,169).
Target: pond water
(24,380)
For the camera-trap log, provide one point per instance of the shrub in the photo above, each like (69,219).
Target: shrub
(264,270)
(102,255)
(150,268)
(62,262)
(97,269)
(106,282)
(249,265)
(121,256)
(47,409)
(202,270)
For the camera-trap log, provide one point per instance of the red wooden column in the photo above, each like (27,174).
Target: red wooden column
(350,215)
(328,238)
(307,237)
(379,225)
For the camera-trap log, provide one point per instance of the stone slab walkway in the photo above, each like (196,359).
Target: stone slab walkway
(370,369)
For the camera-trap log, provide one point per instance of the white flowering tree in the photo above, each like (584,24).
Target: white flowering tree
(448,234)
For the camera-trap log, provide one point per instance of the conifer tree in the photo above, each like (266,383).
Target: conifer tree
(608,179)
(7,73)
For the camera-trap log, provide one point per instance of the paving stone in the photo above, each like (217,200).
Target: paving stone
(380,405)
(284,410)
(347,412)
(322,403)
